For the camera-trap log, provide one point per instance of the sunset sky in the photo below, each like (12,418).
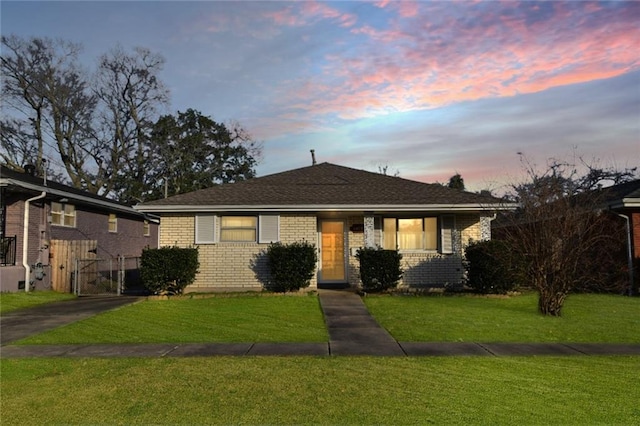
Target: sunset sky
(427,88)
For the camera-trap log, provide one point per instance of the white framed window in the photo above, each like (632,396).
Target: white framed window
(113,222)
(146,228)
(211,229)
(63,214)
(410,233)
(238,228)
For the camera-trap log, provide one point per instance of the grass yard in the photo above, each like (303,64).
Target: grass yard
(13,301)
(241,318)
(310,390)
(586,318)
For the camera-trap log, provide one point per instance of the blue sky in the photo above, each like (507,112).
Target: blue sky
(428,88)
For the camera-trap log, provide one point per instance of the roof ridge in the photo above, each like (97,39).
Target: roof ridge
(326,184)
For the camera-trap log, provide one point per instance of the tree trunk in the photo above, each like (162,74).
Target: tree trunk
(551,302)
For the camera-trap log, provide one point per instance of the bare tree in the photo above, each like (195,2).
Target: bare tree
(100,129)
(50,107)
(385,169)
(18,147)
(130,91)
(560,228)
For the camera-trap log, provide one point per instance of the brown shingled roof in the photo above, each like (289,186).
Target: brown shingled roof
(325,185)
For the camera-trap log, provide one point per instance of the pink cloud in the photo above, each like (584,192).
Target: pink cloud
(433,63)
(405,8)
(308,12)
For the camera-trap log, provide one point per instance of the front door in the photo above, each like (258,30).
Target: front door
(332,253)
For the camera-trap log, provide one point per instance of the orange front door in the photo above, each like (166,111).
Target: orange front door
(332,250)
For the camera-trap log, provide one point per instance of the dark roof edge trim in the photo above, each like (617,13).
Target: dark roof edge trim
(71,196)
(325,208)
(625,203)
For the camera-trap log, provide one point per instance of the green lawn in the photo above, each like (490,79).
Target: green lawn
(310,390)
(261,318)
(242,318)
(12,301)
(586,318)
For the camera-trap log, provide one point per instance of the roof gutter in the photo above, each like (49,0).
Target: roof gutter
(625,203)
(629,250)
(64,194)
(183,208)
(25,241)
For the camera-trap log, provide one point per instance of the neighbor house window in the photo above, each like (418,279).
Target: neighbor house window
(238,228)
(410,233)
(63,214)
(146,228)
(113,222)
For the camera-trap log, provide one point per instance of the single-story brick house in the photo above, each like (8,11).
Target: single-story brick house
(36,214)
(339,210)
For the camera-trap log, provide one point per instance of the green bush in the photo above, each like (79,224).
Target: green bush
(291,265)
(379,269)
(168,270)
(492,267)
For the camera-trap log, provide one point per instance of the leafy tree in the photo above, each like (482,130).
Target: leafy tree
(456,182)
(191,151)
(560,228)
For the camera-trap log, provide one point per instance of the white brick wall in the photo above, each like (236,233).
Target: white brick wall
(232,266)
(239,266)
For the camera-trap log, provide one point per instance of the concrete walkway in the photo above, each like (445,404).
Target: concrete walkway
(23,323)
(352,331)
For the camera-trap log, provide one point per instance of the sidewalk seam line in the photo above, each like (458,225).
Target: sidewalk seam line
(169,351)
(486,349)
(568,345)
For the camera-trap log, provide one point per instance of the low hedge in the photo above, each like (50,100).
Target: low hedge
(168,270)
(492,267)
(379,269)
(291,265)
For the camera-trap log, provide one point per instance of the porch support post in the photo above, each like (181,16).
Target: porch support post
(369,231)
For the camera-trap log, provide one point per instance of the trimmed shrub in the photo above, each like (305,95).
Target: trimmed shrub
(168,270)
(379,269)
(492,268)
(291,265)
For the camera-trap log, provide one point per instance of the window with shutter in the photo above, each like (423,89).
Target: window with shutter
(269,229)
(410,233)
(205,229)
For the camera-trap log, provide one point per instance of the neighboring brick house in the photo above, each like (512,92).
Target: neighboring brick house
(60,212)
(624,201)
(336,208)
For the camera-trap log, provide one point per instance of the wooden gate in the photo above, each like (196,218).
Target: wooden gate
(63,254)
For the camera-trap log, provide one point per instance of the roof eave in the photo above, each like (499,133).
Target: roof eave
(76,197)
(474,207)
(625,203)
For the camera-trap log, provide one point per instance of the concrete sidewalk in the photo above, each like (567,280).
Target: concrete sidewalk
(433,349)
(352,331)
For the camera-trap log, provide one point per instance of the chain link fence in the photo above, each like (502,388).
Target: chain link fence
(113,276)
